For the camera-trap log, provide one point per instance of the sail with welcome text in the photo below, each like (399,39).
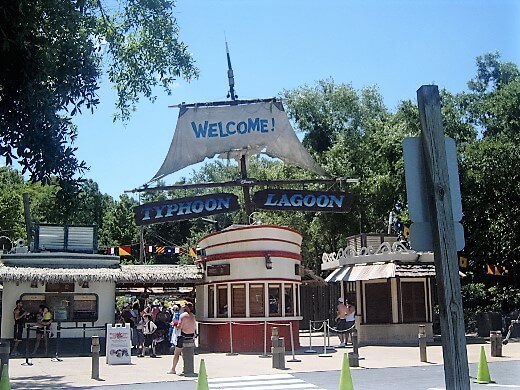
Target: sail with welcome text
(232,131)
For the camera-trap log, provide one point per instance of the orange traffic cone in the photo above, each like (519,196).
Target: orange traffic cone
(483,369)
(202,381)
(345,379)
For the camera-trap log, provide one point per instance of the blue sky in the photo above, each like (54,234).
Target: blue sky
(275,45)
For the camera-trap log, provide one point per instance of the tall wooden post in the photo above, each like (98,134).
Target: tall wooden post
(27,216)
(245,188)
(456,371)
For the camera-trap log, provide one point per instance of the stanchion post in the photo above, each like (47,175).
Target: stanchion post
(27,361)
(422,343)
(292,344)
(231,353)
(325,354)
(310,350)
(95,348)
(56,358)
(265,355)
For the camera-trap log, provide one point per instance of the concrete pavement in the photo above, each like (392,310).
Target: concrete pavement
(76,371)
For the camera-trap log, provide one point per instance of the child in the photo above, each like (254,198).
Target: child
(148,330)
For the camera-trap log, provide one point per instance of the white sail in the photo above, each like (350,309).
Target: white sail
(232,131)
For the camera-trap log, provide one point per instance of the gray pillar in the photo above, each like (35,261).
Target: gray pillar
(495,337)
(422,343)
(188,352)
(95,357)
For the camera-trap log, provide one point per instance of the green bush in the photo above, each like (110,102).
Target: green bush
(478,298)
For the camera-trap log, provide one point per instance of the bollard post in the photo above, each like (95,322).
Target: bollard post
(422,343)
(95,357)
(277,349)
(495,337)
(188,352)
(355,341)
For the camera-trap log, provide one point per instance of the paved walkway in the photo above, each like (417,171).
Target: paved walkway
(76,371)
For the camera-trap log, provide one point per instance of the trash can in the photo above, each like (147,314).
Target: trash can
(487,322)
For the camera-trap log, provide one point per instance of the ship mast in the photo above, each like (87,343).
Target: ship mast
(243,168)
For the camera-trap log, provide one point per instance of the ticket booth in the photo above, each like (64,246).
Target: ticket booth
(251,283)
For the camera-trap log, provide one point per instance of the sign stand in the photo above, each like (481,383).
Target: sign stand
(119,344)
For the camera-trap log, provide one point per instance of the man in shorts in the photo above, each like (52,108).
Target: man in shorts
(187,325)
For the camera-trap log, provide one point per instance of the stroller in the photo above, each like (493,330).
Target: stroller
(510,329)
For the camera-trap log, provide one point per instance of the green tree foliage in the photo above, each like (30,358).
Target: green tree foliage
(119,227)
(52,56)
(489,166)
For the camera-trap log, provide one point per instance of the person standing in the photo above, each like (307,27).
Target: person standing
(20,316)
(149,329)
(43,323)
(138,335)
(187,326)
(341,322)
(350,320)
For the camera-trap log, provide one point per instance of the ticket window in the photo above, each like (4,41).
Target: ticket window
(222,301)
(289,302)
(238,296)
(64,307)
(275,301)
(256,300)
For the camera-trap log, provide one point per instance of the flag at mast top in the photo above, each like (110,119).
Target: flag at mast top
(231,78)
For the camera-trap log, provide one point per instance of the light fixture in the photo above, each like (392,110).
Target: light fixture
(268,261)
(34,284)
(85,284)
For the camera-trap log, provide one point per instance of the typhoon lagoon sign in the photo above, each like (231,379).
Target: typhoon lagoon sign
(294,200)
(184,208)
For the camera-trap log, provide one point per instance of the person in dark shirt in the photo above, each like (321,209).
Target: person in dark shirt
(20,316)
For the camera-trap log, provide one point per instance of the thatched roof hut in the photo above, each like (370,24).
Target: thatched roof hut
(67,267)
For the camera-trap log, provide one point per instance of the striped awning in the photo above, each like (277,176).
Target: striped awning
(352,273)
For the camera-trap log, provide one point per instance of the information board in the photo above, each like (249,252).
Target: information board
(119,344)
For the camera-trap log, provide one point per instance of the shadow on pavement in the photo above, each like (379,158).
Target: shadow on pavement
(40,382)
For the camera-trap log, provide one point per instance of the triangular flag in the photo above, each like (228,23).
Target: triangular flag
(193,252)
(125,250)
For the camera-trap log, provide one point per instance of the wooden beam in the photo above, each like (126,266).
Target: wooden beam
(250,182)
(456,371)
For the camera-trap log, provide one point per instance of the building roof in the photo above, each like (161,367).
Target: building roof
(351,273)
(56,273)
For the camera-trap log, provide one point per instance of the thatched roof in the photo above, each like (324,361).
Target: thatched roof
(159,274)
(116,273)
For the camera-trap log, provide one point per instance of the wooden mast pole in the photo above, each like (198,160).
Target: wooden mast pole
(243,167)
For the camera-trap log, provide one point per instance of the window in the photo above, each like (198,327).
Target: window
(256,300)
(378,303)
(275,304)
(222,302)
(211,296)
(413,301)
(238,298)
(289,307)
(64,307)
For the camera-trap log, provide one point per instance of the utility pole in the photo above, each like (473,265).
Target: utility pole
(456,371)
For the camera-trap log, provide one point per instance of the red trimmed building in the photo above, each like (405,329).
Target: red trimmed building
(252,277)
